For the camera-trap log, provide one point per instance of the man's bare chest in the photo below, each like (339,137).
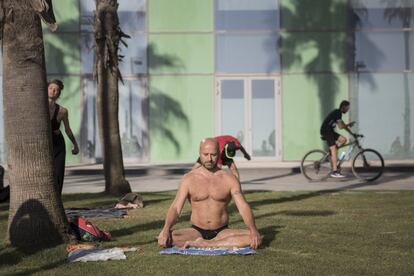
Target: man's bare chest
(212,189)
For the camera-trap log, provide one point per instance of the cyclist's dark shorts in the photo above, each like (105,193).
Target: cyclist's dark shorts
(330,137)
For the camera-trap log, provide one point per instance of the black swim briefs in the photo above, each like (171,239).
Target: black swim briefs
(209,234)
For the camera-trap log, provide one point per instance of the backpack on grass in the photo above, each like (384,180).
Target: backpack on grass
(86,231)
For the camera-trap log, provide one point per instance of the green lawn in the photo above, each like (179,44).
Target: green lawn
(328,233)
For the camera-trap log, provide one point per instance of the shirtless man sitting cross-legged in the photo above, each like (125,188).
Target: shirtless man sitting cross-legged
(209,191)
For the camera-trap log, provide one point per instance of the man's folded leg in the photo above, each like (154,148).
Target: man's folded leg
(181,236)
(227,238)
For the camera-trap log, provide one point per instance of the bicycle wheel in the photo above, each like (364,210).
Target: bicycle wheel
(368,165)
(316,165)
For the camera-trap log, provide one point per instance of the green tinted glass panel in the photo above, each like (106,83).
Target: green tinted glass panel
(67,15)
(62,53)
(181,114)
(372,93)
(313,15)
(180,15)
(180,53)
(307,99)
(70,98)
(313,52)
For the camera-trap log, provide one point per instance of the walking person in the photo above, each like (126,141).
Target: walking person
(58,114)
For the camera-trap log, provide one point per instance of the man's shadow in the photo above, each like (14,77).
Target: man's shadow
(269,234)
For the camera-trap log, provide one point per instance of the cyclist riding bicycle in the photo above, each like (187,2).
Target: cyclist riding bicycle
(333,139)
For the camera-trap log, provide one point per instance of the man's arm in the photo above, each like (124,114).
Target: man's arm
(234,170)
(164,238)
(342,125)
(246,213)
(68,130)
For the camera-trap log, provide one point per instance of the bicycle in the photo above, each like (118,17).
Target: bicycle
(366,164)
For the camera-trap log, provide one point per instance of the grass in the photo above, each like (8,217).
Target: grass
(321,233)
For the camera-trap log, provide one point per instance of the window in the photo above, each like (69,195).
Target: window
(247,53)
(247,15)
(131,14)
(382,14)
(247,36)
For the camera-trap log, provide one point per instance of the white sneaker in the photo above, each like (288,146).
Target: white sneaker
(337,174)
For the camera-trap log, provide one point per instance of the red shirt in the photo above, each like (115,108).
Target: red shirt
(222,140)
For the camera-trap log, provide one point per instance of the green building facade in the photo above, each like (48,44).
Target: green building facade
(264,71)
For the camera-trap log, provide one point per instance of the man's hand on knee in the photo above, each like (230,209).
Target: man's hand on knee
(255,239)
(164,238)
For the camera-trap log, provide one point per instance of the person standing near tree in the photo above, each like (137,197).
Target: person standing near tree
(58,114)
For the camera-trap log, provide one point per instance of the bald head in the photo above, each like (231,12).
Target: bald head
(209,153)
(208,141)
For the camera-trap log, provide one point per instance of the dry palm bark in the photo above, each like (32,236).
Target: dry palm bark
(108,36)
(36,214)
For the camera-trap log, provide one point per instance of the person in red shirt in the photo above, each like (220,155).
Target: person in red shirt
(228,145)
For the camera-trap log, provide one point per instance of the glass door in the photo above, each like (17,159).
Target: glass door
(249,109)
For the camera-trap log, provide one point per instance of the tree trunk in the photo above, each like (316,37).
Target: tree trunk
(108,35)
(36,214)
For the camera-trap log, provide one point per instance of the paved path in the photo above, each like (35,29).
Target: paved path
(90,179)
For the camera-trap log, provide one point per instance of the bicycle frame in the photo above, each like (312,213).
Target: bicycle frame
(351,145)
(317,160)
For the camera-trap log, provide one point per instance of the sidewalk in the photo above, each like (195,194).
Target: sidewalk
(254,176)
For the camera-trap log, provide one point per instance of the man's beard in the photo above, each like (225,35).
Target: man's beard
(210,165)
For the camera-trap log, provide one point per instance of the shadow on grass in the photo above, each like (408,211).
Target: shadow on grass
(9,258)
(39,269)
(269,234)
(297,197)
(4,217)
(294,171)
(307,213)
(4,207)
(155,201)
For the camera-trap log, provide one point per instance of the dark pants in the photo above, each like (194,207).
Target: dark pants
(59,154)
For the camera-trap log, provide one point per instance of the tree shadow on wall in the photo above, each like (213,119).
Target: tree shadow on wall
(159,109)
(165,111)
(309,16)
(61,46)
(304,22)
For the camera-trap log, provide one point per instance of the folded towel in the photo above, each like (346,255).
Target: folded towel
(96,254)
(209,251)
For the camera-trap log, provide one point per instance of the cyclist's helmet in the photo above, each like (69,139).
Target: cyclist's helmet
(230,150)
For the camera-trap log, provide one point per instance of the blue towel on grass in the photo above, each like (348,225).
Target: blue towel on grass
(209,251)
(98,212)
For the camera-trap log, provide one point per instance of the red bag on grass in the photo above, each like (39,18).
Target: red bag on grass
(86,231)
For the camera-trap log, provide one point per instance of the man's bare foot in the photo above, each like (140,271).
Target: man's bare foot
(199,242)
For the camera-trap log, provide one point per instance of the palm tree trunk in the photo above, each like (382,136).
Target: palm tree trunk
(36,214)
(107,37)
